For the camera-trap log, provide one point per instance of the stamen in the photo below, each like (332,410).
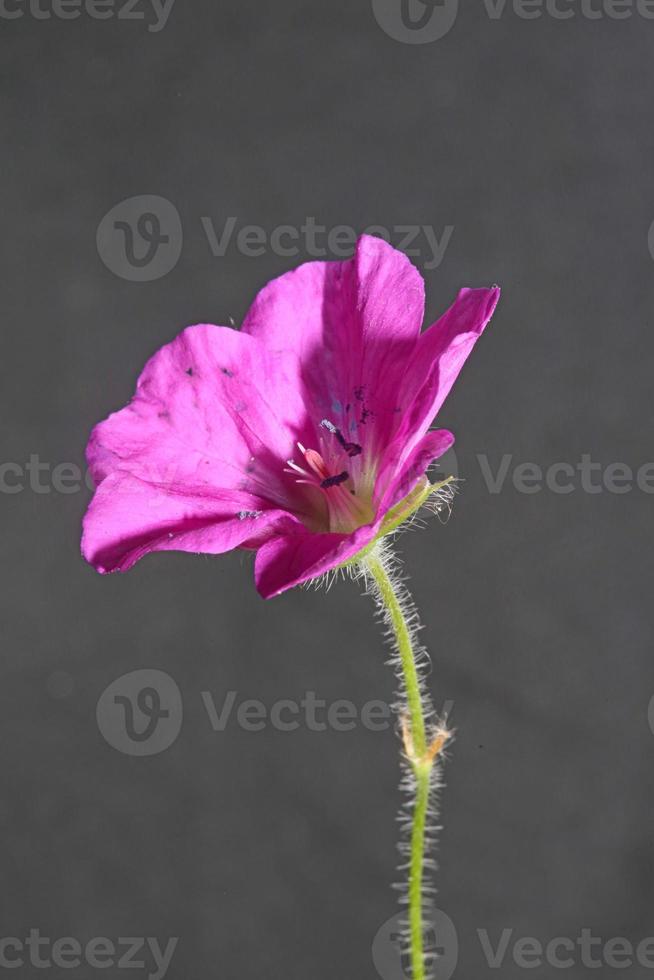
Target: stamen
(334,481)
(347,505)
(316,463)
(351,448)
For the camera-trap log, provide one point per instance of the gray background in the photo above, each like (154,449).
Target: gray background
(271,854)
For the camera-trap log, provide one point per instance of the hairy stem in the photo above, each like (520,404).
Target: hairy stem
(393,609)
(416,872)
(421,752)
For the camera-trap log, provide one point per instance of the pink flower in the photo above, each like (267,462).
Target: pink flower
(295,436)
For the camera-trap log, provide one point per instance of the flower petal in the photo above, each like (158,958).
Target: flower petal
(129,518)
(353,324)
(290,559)
(213,409)
(438,358)
(403,469)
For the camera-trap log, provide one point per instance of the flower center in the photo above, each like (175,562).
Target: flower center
(338,474)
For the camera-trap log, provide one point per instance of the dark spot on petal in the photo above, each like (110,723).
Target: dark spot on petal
(189,371)
(334,481)
(359,393)
(163,415)
(230,374)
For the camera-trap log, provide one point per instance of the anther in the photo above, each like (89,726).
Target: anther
(334,481)
(351,448)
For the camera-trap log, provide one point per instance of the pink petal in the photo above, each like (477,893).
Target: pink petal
(403,469)
(353,324)
(291,559)
(213,409)
(207,435)
(129,518)
(438,358)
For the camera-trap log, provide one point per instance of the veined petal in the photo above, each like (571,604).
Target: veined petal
(353,325)
(129,518)
(404,467)
(290,559)
(214,409)
(438,358)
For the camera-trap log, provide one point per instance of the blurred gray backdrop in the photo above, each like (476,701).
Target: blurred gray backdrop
(523,141)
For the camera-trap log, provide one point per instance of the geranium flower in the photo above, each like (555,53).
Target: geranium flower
(304,435)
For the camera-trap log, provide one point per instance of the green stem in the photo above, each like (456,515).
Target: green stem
(416,873)
(393,608)
(421,759)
